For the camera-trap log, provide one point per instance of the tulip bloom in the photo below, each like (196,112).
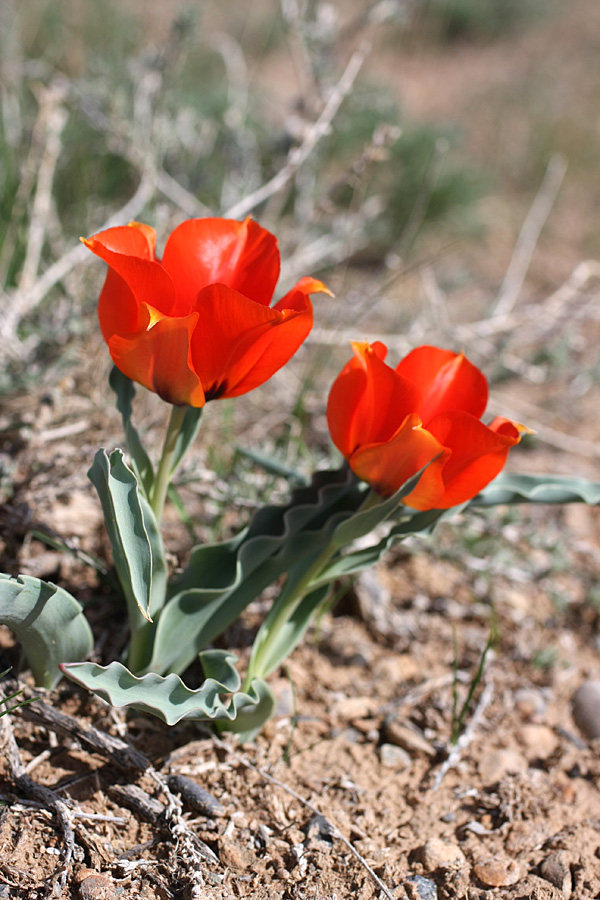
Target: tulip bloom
(198,325)
(390,423)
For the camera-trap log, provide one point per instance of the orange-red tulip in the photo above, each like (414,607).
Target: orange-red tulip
(390,423)
(198,325)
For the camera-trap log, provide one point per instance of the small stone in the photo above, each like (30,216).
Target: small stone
(556,869)
(437,854)
(320,829)
(96,886)
(349,734)
(495,765)
(419,888)
(284,702)
(497,872)
(406,736)
(539,741)
(199,799)
(529,703)
(586,708)
(350,708)
(396,669)
(526,834)
(234,855)
(394,757)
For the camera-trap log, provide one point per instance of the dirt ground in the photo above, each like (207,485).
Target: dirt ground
(354,789)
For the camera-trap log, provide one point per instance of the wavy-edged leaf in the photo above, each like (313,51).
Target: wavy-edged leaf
(222,579)
(507,488)
(357,561)
(364,521)
(250,719)
(124,389)
(218,699)
(48,622)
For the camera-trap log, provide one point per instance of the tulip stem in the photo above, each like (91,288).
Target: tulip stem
(372,498)
(270,632)
(165,466)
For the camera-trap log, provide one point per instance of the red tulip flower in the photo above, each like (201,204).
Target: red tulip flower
(197,324)
(390,423)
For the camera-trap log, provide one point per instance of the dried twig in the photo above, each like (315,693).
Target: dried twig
(529,235)
(23,302)
(334,829)
(118,752)
(56,119)
(191,849)
(36,791)
(316,131)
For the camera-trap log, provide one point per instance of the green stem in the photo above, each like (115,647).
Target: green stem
(372,499)
(164,473)
(279,615)
(259,665)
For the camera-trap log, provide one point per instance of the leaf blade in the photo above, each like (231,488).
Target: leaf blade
(49,623)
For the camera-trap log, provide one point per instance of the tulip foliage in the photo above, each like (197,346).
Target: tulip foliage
(197,326)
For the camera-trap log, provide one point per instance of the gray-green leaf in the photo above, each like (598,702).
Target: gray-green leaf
(124,389)
(48,622)
(507,488)
(171,700)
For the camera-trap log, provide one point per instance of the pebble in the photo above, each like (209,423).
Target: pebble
(196,797)
(529,703)
(437,854)
(350,734)
(396,669)
(526,834)
(320,829)
(406,736)
(497,872)
(234,855)
(394,757)
(539,741)
(419,888)
(495,765)
(350,708)
(96,886)
(586,708)
(284,702)
(556,869)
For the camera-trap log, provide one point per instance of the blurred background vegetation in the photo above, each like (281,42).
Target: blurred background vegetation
(444,116)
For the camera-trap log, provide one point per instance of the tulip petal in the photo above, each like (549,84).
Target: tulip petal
(159,359)
(135,239)
(294,298)
(241,255)
(478,454)
(448,381)
(369,400)
(146,279)
(387,466)
(239,344)
(118,310)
